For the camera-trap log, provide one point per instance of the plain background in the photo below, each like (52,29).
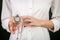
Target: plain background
(4,35)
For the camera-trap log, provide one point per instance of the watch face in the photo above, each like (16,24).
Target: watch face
(17,19)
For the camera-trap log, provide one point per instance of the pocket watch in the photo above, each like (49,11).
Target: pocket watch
(17,19)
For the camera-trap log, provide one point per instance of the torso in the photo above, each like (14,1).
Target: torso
(35,8)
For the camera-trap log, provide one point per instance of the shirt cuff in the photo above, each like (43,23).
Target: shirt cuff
(5,24)
(56,25)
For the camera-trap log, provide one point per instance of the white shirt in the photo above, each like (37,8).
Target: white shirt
(36,8)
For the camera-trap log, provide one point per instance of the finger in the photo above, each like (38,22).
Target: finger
(26,17)
(11,29)
(29,24)
(11,24)
(11,21)
(21,19)
(27,20)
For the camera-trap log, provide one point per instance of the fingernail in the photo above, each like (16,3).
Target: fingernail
(24,26)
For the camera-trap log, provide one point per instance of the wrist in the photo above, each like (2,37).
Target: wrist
(47,24)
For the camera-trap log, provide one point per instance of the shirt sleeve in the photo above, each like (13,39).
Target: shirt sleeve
(6,14)
(55,15)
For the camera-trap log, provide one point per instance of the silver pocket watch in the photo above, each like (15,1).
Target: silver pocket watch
(17,19)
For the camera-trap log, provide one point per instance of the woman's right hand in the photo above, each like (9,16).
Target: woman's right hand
(12,26)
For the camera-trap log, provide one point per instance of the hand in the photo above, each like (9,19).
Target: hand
(12,26)
(31,21)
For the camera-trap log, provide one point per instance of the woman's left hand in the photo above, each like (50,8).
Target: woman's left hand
(31,21)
